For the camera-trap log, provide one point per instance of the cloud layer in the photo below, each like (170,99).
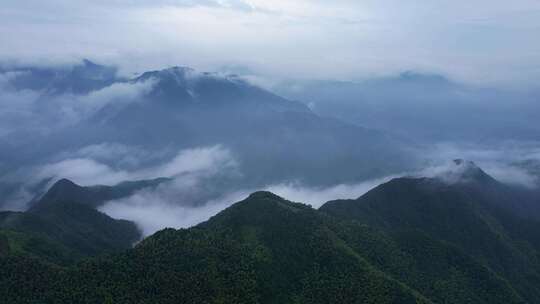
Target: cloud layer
(171,205)
(184,202)
(188,163)
(480,41)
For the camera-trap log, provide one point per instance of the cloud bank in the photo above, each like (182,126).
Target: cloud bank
(172,205)
(182,203)
(199,162)
(36,111)
(481,41)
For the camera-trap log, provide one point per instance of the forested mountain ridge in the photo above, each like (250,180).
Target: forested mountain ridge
(63,226)
(269,152)
(266,249)
(252,264)
(478,217)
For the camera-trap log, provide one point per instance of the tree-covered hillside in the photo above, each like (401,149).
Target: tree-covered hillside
(476,218)
(63,226)
(268,250)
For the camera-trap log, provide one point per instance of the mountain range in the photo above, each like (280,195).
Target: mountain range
(424,107)
(75,109)
(457,238)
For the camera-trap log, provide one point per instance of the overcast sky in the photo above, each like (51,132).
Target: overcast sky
(480,41)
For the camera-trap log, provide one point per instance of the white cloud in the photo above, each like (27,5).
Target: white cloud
(17,201)
(83,171)
(110,151)
(209,160)
(188,163)
(152,213)
(185,201)
(175,205)
(498,160)
(117,93)
(178,204)
(512,175)
(78,107)
(128,157)
(316,197)
(28,110)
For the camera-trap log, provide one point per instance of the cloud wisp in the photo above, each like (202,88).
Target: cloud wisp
(200,162)
(34,111)
(172,205)
(501,161)
(182,203)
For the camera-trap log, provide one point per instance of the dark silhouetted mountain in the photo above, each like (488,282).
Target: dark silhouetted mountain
(94,196)
(423,107)
(81,230)
(182,86)
(476,216)
(61,229)
(77,79)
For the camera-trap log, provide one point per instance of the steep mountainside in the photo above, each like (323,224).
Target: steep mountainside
(186,109)
(94,196)
(476,216)
(233,258)
(64,226)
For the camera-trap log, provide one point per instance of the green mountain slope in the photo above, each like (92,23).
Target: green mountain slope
(61,230)
(472,217)
(236,257)
(269,250)
(459,239)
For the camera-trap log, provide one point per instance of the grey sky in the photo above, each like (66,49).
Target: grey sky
(477,41)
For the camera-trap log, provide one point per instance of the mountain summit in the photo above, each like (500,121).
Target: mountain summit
(464,171)
(479,216)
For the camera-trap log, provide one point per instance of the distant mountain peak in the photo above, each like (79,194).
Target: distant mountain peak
(464,171)
(177,73)
(63,188)
(265,195)
(89,63)
(259,207)
(63,184)
(80,78)
(466,165)
(66,191)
